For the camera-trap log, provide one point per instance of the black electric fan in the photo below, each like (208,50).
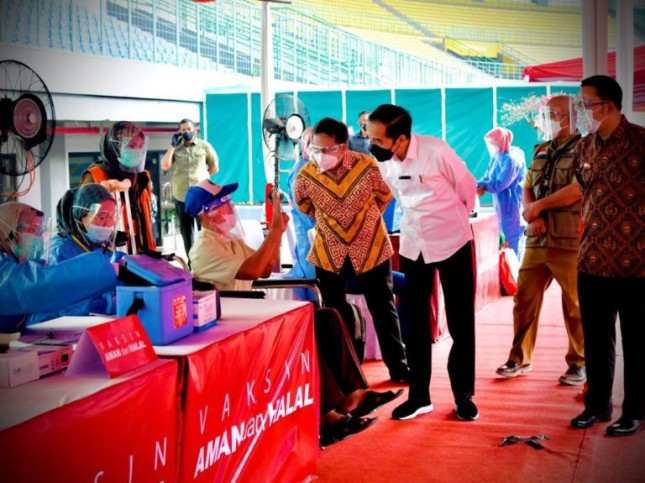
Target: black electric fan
(283,122)
(27,122)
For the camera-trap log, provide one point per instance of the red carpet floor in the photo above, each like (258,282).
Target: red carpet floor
(438,447)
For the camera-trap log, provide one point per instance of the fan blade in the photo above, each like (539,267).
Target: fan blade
(273,125)
(286,149)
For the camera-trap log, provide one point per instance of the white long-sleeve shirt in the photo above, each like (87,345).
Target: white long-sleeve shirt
(436,193)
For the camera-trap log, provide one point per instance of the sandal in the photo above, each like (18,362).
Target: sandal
(374,400)
(344,428)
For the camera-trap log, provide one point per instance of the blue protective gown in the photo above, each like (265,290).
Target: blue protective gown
(38,292)
(302,224)
(503,179)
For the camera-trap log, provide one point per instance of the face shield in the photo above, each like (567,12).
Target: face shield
(551,120)
(97,222)
(129,145)
(25,242)
(584,112)
(223,219)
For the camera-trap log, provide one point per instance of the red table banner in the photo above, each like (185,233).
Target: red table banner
(251,404)
(124,432)
(118,346)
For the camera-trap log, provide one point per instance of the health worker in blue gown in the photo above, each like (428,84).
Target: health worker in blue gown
(503,179)
(31,290)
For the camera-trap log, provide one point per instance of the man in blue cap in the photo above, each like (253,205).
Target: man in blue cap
(219,254)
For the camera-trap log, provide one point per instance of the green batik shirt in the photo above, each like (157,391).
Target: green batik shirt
(190,165)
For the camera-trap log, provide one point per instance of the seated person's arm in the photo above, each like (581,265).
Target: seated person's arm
(261,263)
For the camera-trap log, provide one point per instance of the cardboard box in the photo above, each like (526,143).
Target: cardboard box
(51,358)
(18,367)
(206,309)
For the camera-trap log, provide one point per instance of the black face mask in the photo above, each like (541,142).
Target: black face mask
(188,135)
(363,127)
(381,154)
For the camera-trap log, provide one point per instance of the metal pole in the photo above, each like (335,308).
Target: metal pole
(266,76)
(594,37)
(625,52)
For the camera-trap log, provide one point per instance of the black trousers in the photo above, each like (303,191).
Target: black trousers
(458,283)
(186,226)
(376,287)
(340,371)
(601,299)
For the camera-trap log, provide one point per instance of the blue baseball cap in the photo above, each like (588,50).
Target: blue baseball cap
(204,193)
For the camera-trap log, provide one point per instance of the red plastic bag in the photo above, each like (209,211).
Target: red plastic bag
(509,267)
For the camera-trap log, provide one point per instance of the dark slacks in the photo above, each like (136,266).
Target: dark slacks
(340,371)
(376,287)
(601,299)
(457,281)
(186,226)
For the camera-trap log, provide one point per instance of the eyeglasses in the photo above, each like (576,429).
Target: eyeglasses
(104,218)
(592,103)
(326,150)
(557,115)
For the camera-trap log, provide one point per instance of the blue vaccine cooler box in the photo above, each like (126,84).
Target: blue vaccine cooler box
(160,294)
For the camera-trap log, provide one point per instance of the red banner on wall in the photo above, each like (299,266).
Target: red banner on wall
(251,405)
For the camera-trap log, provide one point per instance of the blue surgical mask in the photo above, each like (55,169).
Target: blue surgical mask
(130,158)
(99,234)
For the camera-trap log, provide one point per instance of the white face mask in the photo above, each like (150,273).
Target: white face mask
(552,130)
(324,161)
(587,123)
(99,234)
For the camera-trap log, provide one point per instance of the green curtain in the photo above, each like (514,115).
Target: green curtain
(424,105)
(469,116)
(358,101)
(322,104)
(227,121)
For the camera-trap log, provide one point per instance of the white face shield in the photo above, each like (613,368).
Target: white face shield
(551,120)
(26,241)
(98,222)
(129,145)
(223,219)
(584,111)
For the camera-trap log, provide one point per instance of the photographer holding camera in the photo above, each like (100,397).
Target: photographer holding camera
(192,160)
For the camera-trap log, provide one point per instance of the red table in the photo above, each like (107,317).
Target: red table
(62,429)
(250,394)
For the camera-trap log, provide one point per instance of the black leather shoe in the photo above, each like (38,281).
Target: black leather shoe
(624,427)
(587,419)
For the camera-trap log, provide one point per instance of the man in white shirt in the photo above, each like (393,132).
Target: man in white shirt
(437,193)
